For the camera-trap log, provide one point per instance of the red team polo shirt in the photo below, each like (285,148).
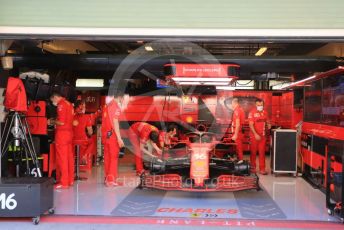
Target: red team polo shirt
(238,113)
(84,121)
(142,130)
(162,136)
(259,119)
(65,114)
(110,111)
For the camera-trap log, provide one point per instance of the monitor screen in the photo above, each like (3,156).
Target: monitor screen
(333,101)
(312,108)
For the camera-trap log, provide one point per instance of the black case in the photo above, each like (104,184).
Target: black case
(284,151)
(34,196)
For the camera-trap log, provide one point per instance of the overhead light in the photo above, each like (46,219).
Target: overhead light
(244,87)
(7,62)
(261,51)
(90,83)
(297,83)
(201,83)
(148,48)
(202,79)
(11,51)
(225,88)
(140,42)
(233,87)
(66,47)
(189,83)
(281,85)
(278,84)
(244,83)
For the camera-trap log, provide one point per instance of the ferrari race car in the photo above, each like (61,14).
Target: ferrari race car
(199,164)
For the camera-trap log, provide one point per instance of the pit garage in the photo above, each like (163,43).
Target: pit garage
(248,122)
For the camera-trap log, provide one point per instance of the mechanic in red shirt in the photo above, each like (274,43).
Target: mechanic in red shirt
(112,140)
(93,138)
(143,135)
(82,127)
(258,121)
(165,137)
(63,141)
(238,120)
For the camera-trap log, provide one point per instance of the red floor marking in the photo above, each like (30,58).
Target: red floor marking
(186,222)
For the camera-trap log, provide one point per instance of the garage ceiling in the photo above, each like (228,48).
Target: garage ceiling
(161,48)
(100,58)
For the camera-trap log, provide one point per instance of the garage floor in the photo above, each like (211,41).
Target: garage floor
(282,198)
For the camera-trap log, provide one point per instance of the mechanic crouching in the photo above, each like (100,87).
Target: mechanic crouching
(144,138)
(165,137)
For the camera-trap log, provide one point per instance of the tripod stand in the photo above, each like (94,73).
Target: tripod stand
(17,139)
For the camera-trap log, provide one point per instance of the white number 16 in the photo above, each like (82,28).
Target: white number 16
(8,203)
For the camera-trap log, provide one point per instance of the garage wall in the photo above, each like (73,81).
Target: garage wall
(223,14)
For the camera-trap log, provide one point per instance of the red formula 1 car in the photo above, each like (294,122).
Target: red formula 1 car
(199,164)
